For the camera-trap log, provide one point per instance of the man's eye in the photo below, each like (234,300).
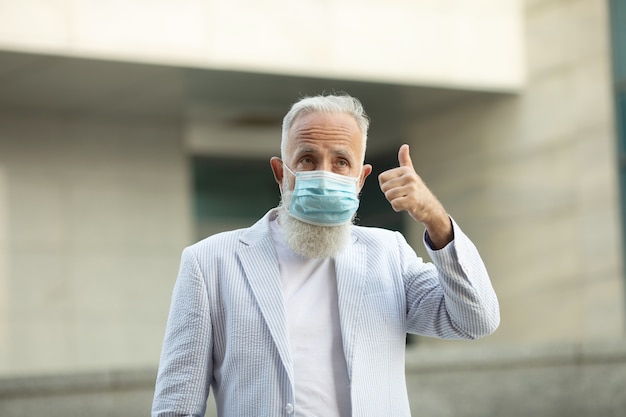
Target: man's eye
(343,163)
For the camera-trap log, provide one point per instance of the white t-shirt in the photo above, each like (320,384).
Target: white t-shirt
(310,296)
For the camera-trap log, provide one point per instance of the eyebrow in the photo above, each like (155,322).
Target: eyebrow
(342,152)
(308,149)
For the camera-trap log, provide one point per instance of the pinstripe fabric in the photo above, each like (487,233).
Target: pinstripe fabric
(227,327)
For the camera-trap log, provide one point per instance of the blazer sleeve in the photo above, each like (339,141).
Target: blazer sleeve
(186,366)
(452,297)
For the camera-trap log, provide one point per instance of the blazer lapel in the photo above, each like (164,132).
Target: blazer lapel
(350,268)
(260,263)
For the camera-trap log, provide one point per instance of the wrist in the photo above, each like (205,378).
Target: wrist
(439,231)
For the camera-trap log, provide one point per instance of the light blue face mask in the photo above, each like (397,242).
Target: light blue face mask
(323,198)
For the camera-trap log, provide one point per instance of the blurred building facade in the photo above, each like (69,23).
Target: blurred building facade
(129,130)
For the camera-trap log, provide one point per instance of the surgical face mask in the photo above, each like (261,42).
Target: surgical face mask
(323,198)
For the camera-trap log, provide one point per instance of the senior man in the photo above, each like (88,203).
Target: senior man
(305,314)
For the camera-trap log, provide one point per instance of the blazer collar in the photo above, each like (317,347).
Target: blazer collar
(260,263)
(350,267)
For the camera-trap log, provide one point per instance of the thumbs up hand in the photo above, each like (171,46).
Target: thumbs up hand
(406,191)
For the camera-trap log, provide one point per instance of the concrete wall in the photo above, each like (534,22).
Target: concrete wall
(549,381)
(463,43)
(533,180)
(94,213)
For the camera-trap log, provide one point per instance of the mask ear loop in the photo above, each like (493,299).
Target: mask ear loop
(288,169)
(283,184)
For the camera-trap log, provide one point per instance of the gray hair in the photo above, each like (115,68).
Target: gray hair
(325,104)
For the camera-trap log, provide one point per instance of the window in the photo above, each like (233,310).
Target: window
(231,193)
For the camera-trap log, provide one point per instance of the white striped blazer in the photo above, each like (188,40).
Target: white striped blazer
(227,327)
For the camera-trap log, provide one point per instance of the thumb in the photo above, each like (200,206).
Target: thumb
(404,158)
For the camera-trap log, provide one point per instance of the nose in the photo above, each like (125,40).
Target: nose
(325,165)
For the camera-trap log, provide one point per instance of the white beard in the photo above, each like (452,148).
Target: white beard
(308,240)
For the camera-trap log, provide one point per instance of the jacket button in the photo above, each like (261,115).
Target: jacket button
(289,408)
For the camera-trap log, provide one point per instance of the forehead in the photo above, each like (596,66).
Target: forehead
(325,129)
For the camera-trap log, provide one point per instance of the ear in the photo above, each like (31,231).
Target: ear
(365,172)
(277,168)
